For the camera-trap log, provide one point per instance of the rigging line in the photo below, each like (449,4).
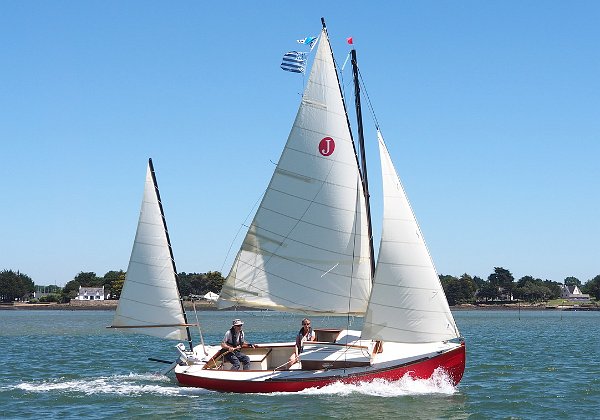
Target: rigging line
(368,100)
(356,216)
(342,84)
(240,228)
(346,60)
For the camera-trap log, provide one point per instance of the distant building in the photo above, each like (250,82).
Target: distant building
(213,297)
(90,293)
(573,293)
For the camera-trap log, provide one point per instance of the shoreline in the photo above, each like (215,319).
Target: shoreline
(103,305)
(111,305)
(523,307)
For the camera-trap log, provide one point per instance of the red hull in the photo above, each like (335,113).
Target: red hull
(453,362)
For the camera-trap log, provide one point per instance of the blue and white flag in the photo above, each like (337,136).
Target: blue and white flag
(309,40)
(294,61)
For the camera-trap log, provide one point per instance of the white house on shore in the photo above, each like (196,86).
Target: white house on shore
(90,293)
(210,296)
(573,293)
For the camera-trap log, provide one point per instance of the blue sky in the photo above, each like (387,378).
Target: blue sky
(491,111)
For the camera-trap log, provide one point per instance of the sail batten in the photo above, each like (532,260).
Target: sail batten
(304,222)
(250,246)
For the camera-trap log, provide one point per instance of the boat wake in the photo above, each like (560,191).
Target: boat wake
(439,383)
(129,385)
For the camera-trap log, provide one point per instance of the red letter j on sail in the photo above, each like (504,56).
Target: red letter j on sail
(326,146)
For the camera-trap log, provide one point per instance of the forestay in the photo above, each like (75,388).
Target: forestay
(307,248)
(407,303)
(150,297)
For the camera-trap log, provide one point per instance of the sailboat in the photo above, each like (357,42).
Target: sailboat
(309,250)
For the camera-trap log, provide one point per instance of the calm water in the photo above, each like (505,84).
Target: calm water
(64,364)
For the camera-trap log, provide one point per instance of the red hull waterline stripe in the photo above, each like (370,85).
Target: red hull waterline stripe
(453,362)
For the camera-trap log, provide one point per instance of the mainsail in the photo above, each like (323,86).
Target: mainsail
(407,303)
(150,298)
(307,248)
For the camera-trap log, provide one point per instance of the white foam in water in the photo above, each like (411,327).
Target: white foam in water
(439,383)
(131,384)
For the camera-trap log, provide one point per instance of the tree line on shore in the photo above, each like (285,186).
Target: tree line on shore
(15,285)
(500,285)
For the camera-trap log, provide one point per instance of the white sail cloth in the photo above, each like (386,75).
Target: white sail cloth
(307,248)
(408,303)
(150,297)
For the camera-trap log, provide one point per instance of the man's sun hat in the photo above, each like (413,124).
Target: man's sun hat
(237,322)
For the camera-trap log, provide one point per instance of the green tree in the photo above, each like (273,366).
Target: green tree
(184,280)
(199,284)
(52,297)
(88,279)
(572,281)
(215,281)
(15,285)
(532,290)
(554,288)
(503,279)
(117,286)
(113,283)
(458,290)
(478,281)
(488,292)
(592,287)
(70,291)
(523,280)
(451,289)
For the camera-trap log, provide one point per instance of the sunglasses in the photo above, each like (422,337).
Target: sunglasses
(306,323)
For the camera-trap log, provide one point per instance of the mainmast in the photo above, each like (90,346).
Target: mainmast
(162,214)
(363,156)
